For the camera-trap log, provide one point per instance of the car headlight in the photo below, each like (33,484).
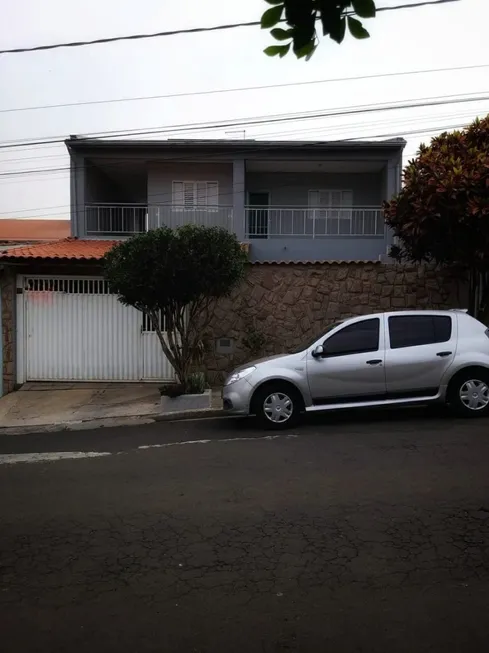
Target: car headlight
(237,376)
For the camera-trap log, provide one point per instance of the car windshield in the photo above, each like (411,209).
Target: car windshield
(323,332)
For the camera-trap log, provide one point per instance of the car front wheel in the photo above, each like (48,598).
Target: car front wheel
(277,406)
(469,394)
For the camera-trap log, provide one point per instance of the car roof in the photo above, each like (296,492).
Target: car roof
(414,311)
(428,311)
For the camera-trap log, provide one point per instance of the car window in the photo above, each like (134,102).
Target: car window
(311,342)
(354,339)
(416,330)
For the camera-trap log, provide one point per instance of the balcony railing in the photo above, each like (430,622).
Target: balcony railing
(176,216)
(116,219)
(281,222)
(127,219)
(260,221)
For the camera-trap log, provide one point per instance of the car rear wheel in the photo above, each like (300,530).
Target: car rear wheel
(277,406)
(469,393)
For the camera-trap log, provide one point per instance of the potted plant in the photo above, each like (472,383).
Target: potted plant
(196,395)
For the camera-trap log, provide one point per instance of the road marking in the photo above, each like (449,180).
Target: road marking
(13,458)
(52,456)
(176,444)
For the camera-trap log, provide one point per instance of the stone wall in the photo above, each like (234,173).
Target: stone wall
(8,290)
(286,305)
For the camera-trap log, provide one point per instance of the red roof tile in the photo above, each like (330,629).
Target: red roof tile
(321,262)
(28,230)
(68,249)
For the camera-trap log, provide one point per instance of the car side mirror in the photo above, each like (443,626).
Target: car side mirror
(318,351)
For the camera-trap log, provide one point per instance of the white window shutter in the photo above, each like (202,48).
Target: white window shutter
(346,198)
(335,198)
(201,193)
(177,193)
(189,194)
(325,198)
(212,194)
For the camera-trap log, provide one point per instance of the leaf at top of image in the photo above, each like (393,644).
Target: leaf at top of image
(272,16)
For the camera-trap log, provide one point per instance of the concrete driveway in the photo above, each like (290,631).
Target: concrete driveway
(38,404)
(348,535)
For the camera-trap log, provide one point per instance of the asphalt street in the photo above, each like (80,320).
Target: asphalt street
(351,533)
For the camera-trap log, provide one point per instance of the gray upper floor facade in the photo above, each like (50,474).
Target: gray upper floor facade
(289,201)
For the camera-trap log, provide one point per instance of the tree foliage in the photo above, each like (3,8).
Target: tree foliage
(175,277)
(301,17)
(441,214)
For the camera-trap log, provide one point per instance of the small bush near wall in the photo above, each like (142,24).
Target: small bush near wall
(289,304)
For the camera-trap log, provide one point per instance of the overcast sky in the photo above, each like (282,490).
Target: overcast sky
(445,36)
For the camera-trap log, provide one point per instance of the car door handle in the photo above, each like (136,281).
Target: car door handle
(444,353)
(375,361)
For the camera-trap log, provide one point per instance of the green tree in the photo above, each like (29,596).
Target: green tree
(175,277)
(300,18)
(441,215)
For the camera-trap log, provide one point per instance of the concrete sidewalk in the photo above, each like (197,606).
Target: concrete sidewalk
(48,407)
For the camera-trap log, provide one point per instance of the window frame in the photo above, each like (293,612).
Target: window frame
(331,211)
(330,191)
(324,342)
(412,316)
(210,208)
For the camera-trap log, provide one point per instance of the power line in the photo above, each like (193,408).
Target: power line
(400,123)
(191,30)
(242,89)
(263,120)
(406,133)
(426,130)
(392,135)
(327,130)
(314,130)
(311,131)
(31,158)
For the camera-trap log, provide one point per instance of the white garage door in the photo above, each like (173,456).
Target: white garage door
(74,329)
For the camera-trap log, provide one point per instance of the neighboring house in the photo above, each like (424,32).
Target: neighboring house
(287,202)
(16,231)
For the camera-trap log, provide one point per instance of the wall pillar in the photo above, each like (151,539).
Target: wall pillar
(392,186)
(239,194)
(77,191)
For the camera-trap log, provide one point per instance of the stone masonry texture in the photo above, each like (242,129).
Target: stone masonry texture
(284,306)
(7,284)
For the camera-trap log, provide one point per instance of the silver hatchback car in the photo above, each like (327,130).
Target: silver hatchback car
(383,359)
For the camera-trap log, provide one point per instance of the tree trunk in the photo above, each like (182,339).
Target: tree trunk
(483,313)
(473,292)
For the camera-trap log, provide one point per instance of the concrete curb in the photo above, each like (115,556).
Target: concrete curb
(108,422)
(206,413)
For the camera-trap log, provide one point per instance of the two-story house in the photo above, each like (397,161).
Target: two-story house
(287,201)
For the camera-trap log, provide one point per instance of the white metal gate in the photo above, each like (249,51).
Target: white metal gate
(74,329)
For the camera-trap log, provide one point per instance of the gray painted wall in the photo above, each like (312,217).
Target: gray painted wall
(160,180)
(161,176)
(303,249)
(100,188)
(291,188)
